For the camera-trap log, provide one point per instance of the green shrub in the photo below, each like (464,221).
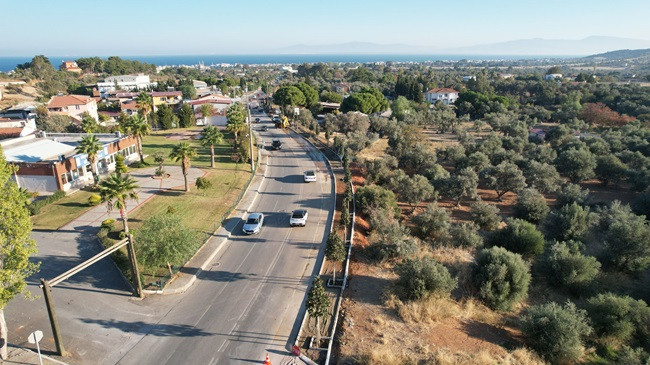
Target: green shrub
(566,266)
(570,222)
(203,183)
(620,318)
(520,237)
(422,276)
(465,235)
(35,207)
(632,356)
(531,206)
(572,193)
(138,164)
(433,224)
(501,277)
(94,200)
(389,239)
(373,197)
(556,333)
(485,215)
(59,194)
(627,242)
(108,224)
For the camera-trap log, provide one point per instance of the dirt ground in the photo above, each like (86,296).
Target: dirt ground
(28,93)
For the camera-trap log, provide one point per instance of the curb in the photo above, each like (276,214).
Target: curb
(217,249)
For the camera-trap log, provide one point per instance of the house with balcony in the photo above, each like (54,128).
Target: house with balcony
(73,106)
(70,66)
(447,96)
(125,82)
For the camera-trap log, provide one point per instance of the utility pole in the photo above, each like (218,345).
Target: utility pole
(250,131)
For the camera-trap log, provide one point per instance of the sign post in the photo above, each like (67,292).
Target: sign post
(36,337)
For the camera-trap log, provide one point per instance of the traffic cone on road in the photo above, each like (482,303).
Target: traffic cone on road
(267,361)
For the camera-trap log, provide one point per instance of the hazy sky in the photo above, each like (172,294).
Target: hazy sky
(144,27)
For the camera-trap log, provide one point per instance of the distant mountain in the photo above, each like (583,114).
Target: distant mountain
(355,48)
(559,47)
(621,54)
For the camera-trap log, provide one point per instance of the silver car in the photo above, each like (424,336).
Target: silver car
(253,223)
(298,218)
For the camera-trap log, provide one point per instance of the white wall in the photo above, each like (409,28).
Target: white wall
(38,183)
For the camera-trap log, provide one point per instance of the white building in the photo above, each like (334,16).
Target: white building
(446,95)
(467,78)
(125,82)
(552,76)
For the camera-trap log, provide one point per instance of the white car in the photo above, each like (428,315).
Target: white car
(253,223)
(298,218)
(310,176)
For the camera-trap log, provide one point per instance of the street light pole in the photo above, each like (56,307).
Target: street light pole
(250,131)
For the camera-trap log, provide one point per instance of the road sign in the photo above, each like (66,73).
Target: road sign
(295,350)
(35,337)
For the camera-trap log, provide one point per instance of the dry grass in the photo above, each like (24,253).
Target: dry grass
(442,356)
(434,309)
(376,151)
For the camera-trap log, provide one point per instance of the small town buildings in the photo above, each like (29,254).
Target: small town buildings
(467,78)
(166,97)
(330,107)
(25,112)
(199,84)
(537,133)
(552,76)
(48,162)
(130,107)
(70,66)
(219,106)
(158,98)
(447,96)
(73,105)
(125,82)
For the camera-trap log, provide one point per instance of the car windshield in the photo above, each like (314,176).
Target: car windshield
(298,214)
(275,141)
(252,220)
(309,173)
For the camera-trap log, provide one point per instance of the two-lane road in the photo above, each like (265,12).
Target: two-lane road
(246,303)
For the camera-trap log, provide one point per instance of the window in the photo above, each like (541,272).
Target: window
(64,178)
(77,107)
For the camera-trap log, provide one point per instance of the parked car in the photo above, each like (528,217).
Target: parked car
(298,218)
(276,144)
(264,128)
(310,176)
(257,120)
(253,223)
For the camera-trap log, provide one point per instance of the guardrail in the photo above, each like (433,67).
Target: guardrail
(339,299)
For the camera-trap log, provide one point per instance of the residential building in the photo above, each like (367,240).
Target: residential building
(342,88)
(552,76)
(219,105)
(24,113)
(467,78)
(49,162)
(166,97)
(447,96)
(537,133)
(199,84)
(129,107)
(70,66)
(125,82)
(73,105)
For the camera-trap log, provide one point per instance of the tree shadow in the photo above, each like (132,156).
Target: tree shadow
(144,328)
(489,333)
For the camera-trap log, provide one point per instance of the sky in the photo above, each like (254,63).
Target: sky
(146,27)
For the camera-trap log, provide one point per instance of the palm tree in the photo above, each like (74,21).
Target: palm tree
(145,103)
(183,152)
(209,137)
(90,145)
(138,128)
(115,190)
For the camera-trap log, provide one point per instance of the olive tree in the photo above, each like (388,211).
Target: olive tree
(519,237)
(570,222)
(432,224)
(503,178)
(531,206)
(501,277)
(485,215)
(567,267)
(620,318)
(577,164)
(423,276)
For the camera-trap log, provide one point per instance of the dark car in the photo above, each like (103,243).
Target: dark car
(264,128)
(257,120)
(276,144)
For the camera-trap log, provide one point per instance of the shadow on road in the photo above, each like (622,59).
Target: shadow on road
(143,328)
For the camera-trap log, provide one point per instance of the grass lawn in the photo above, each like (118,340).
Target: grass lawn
(164,141)
(62,211)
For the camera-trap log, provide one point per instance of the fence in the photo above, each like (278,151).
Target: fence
(339,299)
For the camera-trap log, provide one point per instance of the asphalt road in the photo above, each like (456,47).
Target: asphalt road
(246,304)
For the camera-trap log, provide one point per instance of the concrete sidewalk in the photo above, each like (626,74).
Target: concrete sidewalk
(19,355)
(187,275)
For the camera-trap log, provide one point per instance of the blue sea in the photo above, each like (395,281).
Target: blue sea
(9,63)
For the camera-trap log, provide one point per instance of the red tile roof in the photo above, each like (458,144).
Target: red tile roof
(442,90)
(67,100)
(166,93)
(10,132)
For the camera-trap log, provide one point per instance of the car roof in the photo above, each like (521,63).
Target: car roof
(254,215)
(310,172)
(303,211)
(276,140)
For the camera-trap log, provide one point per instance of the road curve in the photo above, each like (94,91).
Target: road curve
(245,304)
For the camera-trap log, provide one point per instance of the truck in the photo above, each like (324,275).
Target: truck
(281,122)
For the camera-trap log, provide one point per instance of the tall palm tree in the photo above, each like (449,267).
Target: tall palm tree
(183,152)
(90,145)
(209,137)
(138,128)
(236,127)
(115,190)
(145,103)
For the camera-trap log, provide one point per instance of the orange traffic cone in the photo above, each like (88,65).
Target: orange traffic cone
(267,361)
